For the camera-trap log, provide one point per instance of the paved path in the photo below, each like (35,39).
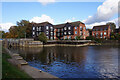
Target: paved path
(33,72)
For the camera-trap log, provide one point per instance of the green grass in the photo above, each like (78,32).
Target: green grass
(11,71)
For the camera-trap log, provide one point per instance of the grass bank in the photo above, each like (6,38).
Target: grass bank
(10,71)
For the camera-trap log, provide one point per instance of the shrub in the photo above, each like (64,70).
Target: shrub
(42,37)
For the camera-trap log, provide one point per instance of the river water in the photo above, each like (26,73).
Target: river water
(74,62)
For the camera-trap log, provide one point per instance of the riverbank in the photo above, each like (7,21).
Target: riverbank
(71,45)
(23,65)
(10,71)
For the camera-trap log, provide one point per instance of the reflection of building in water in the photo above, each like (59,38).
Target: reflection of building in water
(80,54)
(71,54)
(51,55)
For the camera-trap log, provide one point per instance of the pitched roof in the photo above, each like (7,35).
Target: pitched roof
(101,27)
(41,24)
(77,23)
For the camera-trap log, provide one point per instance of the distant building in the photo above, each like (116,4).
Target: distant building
(45,27)
(101,31)
(116,31)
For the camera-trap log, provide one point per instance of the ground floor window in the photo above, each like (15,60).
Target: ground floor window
(65,37)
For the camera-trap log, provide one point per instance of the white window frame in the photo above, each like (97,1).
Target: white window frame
(69,27)
(33,33)
(39,28)
(47,32)
(33,28)
(51,37)
(47,37)
(65,28)
(65,33)
(47,27)
(51,33)
(69,32)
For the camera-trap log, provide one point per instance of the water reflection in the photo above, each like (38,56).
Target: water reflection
(74,62)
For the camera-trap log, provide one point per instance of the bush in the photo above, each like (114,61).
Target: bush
(42,37)
(90,38)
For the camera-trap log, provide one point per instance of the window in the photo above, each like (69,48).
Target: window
(58,34)
(51,33)
(104,37)
(69,27)
(75,32)
(37,28)
(33,33)
(65,37)
(51,28)
(47,27)
(80,33)
(97,35)
(54,33)
(65,28)
(58,30)
(47,32)
(47,37)
(51,37)
(84,28)
(65,33)
(61,29)
(69,37)
(75,37)
(69,32)
(80,27)
(84,33)
(39,33)
(33,28)
(75,27)
(104,33)
(101,33)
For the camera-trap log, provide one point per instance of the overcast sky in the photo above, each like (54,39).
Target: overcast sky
(91,13)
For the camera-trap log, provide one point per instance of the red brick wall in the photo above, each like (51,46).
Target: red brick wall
(55,34)
(99,33)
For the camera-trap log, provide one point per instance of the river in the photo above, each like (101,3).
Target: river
(74,62)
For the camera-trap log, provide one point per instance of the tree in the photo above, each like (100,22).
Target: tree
(112,26)
(25,28)
(42,37)
(22,30)
(3,34)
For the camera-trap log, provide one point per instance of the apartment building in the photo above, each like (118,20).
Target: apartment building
(71,30)
(45,27)
(101,31)
(61,31)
